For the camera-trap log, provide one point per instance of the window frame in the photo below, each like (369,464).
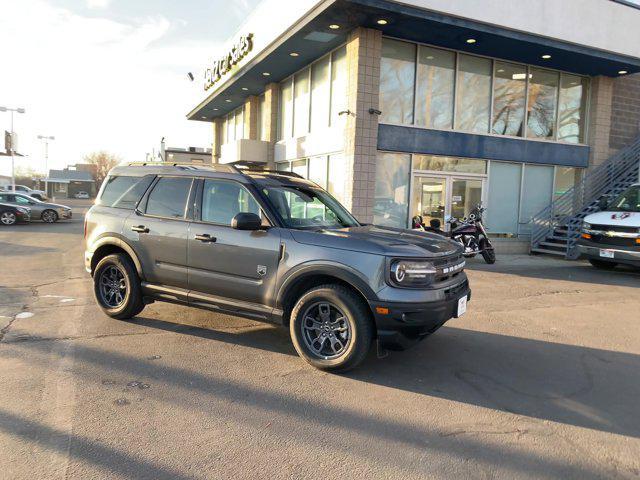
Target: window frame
(144,201)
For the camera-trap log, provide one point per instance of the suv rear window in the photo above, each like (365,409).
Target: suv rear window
(124,192)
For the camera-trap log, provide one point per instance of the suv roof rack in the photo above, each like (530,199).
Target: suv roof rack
(239,167)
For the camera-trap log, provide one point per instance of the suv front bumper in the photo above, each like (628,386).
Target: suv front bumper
(408,323)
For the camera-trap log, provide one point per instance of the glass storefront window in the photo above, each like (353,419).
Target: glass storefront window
(509,88)
(391,204)
(300,167)
(474,94)
(262,118)
(320,94)
(543,99)
(397,79)
(318,170)
(435,87)
(239,120)
(301,104)
(337,177)
(573,105)
(286,110)
(338,85)
(449,164)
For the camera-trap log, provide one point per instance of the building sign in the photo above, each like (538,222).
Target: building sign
(222,66)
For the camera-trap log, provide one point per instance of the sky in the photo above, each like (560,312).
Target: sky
(107,74)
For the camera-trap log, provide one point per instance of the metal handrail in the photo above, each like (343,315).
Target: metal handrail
(567,211)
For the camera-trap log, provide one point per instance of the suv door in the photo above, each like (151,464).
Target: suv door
(225,262)
(157,231)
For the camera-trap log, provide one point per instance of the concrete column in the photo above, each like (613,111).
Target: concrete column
(364,48)
(251,118)
(270,124)
(600,119)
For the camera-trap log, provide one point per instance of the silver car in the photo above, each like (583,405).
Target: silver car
(47,212)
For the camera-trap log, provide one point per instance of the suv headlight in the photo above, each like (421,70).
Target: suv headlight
(411,273)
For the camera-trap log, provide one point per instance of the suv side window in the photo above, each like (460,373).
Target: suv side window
(124,192)
(223,200)
(169,197)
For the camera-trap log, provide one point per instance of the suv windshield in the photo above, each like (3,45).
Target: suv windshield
(308,208)
(629,201)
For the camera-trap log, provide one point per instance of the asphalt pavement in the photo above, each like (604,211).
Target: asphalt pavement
(540,379)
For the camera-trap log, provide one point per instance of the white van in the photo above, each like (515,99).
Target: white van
(612,236)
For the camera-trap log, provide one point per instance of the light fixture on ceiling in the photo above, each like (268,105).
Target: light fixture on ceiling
(430,57)
(501,70)
(228,100)
(204,118)
(265,74)
(334,26)
(294,54)
(471,40)
(546,56)
(215,109)
(245,88)
(382,21)
(622,72)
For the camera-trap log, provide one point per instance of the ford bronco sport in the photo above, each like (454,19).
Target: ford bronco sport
(269,246)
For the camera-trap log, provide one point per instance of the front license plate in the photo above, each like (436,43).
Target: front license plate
(462,306)
(606,253)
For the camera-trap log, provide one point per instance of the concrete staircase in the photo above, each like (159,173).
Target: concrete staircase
(556,229)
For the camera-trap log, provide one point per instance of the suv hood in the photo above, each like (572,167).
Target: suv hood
(380,241)
(612,218)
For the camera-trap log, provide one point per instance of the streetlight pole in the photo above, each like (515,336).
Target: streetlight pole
(46,161)
(13,163)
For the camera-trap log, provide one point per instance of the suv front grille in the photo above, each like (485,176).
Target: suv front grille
(614,228)
(449,267)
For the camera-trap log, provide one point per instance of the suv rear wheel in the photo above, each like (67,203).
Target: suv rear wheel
(331,328)
(117,287)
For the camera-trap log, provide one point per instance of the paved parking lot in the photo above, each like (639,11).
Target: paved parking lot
(541,379)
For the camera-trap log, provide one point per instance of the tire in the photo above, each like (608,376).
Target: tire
(49,216)
(488,253)
(353,335)
(602,265)
(7,217)
(116,273)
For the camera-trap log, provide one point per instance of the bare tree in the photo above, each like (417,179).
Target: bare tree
(103,162)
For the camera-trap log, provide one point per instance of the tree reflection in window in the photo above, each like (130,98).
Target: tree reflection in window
(573,100)
(543,99)
(509,89)
(397,78)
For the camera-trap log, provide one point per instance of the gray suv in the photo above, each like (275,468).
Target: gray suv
(273,247)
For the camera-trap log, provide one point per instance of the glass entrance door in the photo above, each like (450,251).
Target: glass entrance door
(444,196)
(429,198)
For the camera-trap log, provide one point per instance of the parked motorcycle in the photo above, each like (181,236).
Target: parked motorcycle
(468,231)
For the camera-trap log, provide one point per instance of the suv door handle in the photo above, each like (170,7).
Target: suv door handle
(206,238)
(140,229)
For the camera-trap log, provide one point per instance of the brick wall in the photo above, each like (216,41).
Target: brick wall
(625,111)
(364,48)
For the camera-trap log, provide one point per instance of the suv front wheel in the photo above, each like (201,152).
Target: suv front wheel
(117,287)
(331,328)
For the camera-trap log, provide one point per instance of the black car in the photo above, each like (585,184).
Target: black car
(11,214)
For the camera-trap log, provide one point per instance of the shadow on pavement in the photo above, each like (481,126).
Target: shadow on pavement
(90,451)
(358,426)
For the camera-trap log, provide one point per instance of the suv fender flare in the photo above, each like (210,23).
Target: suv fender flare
(117,242)
(338,270)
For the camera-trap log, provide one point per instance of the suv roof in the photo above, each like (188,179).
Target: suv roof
(241,173)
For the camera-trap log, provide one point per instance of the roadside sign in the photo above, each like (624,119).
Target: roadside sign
(7,141)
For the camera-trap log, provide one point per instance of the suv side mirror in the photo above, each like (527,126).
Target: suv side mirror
(246,221)
(603,203)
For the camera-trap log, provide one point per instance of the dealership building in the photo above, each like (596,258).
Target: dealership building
(428,107)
